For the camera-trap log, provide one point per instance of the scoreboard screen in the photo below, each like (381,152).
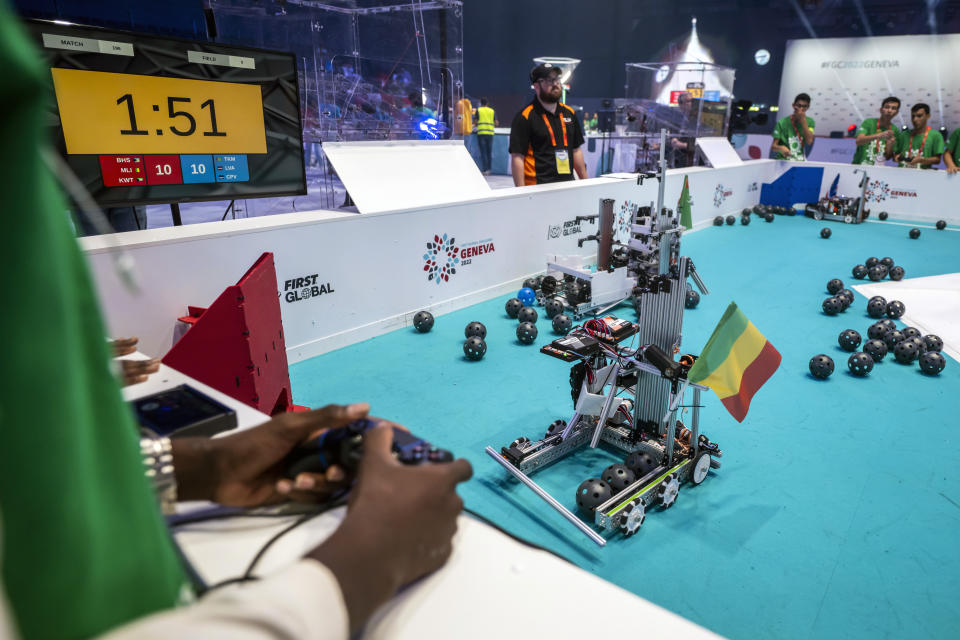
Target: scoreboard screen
(145,119)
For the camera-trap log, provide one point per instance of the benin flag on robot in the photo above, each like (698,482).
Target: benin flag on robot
(736,362)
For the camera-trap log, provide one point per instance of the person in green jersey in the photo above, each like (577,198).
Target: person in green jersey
(83,546)
(951,152)
(922,147)
(877,137)
(794,132)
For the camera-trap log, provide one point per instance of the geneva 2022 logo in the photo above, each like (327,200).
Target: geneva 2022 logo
(441,259)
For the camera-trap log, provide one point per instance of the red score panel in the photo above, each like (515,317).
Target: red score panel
(162,169)
(122,171)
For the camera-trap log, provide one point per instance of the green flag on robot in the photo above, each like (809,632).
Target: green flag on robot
(684,205)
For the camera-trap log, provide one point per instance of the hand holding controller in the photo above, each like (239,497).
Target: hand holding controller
(344,446)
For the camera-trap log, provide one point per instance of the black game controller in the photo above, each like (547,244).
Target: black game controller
(344,446)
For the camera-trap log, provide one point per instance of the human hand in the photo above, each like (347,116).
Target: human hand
(889,134)
(137,371)
(124,346)
(246,469)
(398,527)
(915,160)
(953,169)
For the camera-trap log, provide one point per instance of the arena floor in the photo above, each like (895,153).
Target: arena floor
(836,509)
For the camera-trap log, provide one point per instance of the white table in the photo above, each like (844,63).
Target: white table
(492,586)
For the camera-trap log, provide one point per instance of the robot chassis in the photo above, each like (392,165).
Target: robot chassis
(651,252)
(841,208)
(655,381)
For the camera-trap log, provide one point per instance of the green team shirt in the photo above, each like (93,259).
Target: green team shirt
(953,145)
(787,134)
(872,152)
(84,546)
(909,145)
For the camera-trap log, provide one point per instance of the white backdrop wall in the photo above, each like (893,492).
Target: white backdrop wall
(363,275)
(848,78)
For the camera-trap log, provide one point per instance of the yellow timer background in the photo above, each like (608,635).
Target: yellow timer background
(114,113)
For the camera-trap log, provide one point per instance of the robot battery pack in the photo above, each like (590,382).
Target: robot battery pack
(620,329)
(575,346)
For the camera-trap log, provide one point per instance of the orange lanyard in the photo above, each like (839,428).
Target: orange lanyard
(563,126)
(923,142)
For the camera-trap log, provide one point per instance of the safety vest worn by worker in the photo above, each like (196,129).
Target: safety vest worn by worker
(484,121)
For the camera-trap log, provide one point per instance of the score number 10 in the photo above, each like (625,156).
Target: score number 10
(173,114)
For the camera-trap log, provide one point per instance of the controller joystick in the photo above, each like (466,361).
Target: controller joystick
(344,446)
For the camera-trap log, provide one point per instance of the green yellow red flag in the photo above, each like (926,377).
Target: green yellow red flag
(736,362)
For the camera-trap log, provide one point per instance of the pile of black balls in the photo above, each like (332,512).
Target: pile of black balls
(878,269)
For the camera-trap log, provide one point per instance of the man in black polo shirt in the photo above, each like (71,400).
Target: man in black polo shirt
(546,136)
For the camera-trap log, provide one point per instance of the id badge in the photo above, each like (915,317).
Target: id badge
(563,162)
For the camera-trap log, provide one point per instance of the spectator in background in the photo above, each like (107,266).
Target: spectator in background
(950,153)
(486,121)
(794,132)
(877,138)
(681,148)
(922,147)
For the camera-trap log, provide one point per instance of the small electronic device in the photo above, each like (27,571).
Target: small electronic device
(183,411)
(344,446)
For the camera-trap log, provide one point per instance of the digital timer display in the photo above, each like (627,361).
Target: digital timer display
(150,114)
(148,119)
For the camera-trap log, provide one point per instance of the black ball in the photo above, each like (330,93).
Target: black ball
(731,220)
(825,233)
(759,209)
(860,364)
(849,340)
(906,351)
(821,366)
(526,332)
(474,348)
(513,307)
(553,307)
(880,298)
(475,329)
(934,343)
(860,272)
(877,272)
(895,309)
(744,220)
(423,321)
(562,323)
(889,324)
(692,299)
(882,215)
(592,493)
(548,285)
(877,308)
(897,273)
(877,331)
(642,463)
(527,314)
(872,261)
(921,345)
(887,262)
(768,217)
(530,283)
(914,233)
(746,212)
(834,286)
(910,332)
(832,306)
(892,339)
(847,295)
(718,221)
(618,476)
(932,363)
(941,224)
(876,349)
